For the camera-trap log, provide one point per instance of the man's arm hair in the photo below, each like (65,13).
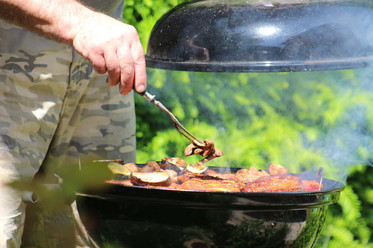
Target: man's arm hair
(56,19)
(111,45)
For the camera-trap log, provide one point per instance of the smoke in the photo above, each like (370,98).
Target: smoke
(301,120)
(349,141)
(346,147)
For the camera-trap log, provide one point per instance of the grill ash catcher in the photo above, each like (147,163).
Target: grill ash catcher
(243,37)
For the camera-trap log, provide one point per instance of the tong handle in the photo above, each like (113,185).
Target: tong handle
(177,124)
(151,98)
(148,96)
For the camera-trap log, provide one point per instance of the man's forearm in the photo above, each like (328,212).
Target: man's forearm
(56,19)
(110,45)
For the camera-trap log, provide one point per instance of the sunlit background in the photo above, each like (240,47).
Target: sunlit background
(302,121)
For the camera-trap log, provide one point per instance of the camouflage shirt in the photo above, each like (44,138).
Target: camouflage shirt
(55,112)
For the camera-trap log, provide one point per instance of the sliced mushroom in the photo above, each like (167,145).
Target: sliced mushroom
(173,163)
(176,161)
(151,166)
(206,150)
(150,179)
(117,168)
(197,168)
(132,167)
(217,153)
(173,175)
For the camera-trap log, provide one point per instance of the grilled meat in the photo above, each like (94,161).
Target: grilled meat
(199,177)
(276,169)
(310,185)
(211,185)
(275,183)
(250,175)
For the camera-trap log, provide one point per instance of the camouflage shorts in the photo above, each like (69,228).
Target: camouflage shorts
(54,111)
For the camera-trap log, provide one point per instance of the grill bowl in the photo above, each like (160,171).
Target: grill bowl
(151,217)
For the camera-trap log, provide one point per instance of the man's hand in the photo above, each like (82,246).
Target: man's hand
(110,45)
(115,48)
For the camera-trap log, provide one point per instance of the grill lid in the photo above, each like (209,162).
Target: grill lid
(263,36)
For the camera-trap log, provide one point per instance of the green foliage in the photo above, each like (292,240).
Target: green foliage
(144,14)
(286,117)
(345,226)
(301,120)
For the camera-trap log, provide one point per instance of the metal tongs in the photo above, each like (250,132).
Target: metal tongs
(175,121)
(206,148)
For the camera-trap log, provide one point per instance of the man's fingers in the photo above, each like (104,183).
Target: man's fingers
(126,64)
(139,67)
(117,50)
(113,68)
(98,63)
